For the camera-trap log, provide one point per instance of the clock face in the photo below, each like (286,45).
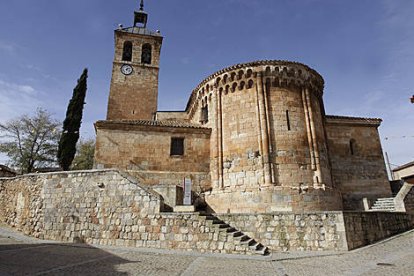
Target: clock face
(126,69)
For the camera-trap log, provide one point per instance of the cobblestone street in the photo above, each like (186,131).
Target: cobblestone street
(20,255)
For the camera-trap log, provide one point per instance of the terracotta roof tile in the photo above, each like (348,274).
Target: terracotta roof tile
(354,119)
(165,123)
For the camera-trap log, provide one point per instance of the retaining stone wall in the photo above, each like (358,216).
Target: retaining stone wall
(110,208)
(319,230)
(289,231)
(71,205)
(409,203)
(363,228)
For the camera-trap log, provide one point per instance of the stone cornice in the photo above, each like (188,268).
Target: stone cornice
(282,63)
(158,126)
(334,119)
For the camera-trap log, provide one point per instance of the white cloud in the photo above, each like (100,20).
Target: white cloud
(17,99)
(7,47)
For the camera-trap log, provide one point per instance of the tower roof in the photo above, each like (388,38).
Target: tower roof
(141,16)
(140,30)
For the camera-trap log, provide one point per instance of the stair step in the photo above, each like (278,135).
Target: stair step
(384,204)
(237,234)
(223,226)
(231,230)
(249,242)
(242,238)
(257,246)
(264,251)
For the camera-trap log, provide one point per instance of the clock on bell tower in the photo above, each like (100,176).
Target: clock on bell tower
(134,86)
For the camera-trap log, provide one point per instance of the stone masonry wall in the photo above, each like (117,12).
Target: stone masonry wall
(268,134)
(21,204)
(409,203)
(109,208)
(363,228)
(134,96)
(361,174)
(145,152)
(319,230)
(76,205)
(273,199)
(293,231)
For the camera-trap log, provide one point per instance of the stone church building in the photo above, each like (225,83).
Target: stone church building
(272,170)
(254,137)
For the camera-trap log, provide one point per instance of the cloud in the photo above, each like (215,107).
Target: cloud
(6,87)
(17,99)
(7,47)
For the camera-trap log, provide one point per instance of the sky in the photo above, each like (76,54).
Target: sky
(362,48)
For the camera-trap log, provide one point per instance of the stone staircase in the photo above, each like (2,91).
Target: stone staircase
(384,204)
(241,241)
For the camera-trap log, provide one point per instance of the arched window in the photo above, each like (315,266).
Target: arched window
(352,146)
(240,75)
(250,84)
(127,52)
(146,55)
(204,111)
(225,79)
(233,87)
(218,80)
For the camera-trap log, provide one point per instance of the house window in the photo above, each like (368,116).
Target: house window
(127,52)
(146,55)
(177,146)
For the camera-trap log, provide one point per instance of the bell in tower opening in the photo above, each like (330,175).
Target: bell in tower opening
(141,16)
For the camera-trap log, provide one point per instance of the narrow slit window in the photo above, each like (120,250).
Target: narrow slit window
(127,51)
(287,120)
(177,146)
(352,145)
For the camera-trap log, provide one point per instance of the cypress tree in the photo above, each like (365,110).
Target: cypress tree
(72,123)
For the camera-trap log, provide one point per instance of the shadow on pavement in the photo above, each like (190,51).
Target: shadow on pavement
(58,259)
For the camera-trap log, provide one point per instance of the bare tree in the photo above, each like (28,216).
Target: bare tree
(30,142)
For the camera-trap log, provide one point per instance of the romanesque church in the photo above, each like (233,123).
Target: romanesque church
(253,138)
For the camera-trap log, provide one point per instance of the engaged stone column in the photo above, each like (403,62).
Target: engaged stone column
(261,94)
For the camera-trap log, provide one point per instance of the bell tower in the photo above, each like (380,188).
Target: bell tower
(134,86)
